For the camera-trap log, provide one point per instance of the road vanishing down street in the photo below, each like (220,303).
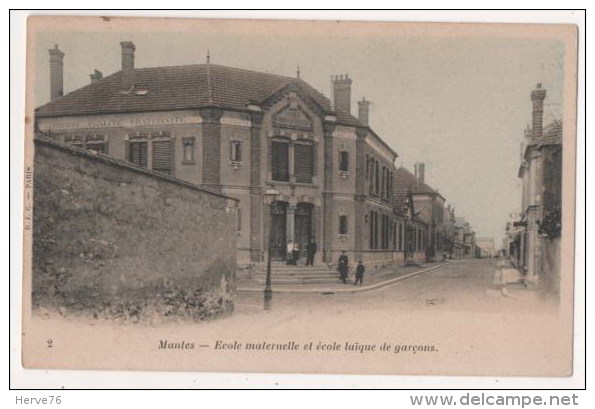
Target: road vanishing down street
(465,284)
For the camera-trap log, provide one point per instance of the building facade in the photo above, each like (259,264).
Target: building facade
(535,237)
(240,132)
(429,209)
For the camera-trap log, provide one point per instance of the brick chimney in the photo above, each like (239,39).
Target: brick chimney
(127,63)
(96,76)
(420,171)
(537,96)
(56,73)
(341,85)
(364,111)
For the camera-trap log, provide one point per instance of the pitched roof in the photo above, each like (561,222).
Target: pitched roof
(552,134)
(407,180)
(183,87)
(401,189)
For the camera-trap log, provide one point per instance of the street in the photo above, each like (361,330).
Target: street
(452,320)
(465,284)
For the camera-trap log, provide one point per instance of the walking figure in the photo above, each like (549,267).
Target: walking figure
(290,259)
(343,266)
(311,252)
(359,273)
(296,252)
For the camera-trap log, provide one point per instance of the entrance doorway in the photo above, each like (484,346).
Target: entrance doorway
(303,225)
(278,231)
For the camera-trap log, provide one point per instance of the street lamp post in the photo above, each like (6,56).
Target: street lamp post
(270,196)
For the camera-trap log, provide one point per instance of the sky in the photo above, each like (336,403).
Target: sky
(458,101)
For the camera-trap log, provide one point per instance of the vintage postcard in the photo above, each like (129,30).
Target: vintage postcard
(286,196)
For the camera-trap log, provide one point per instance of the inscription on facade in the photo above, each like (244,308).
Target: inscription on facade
(128,121)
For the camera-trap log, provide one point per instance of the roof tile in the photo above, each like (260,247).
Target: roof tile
(182,87)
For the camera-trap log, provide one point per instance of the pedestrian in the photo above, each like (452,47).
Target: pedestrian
(290,252)
(359,273)
(296,253)
(343,266)
(311,252)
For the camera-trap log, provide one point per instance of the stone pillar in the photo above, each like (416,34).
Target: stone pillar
(211,146)
(327,194)
(290,226)
(318,233)
(291,160)
(360,192)
(257,208)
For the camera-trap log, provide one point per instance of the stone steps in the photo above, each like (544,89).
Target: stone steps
(282,273)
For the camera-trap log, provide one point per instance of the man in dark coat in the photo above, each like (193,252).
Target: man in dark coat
(359,273)
(311,251)
(343,266)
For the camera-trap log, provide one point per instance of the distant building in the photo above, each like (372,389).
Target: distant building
(485,247)
(429,208)
(412,230)
(535,237)
(464,239)
(449,233)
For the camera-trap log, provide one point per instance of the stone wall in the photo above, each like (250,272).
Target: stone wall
(114,241)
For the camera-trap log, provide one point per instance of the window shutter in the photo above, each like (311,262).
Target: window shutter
(343,225)
(163,156)
(137,153)
(280,161)
(304,162)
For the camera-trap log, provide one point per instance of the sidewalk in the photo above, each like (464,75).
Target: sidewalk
(372,280)
(512,284)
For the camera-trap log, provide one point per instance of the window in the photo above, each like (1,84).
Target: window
(156,152)
(374,233)
(343,225)
(400,237)
(238,221)
(97,146)
(188,151)
(371,238)
(235,151)
(95,143)
(163,156)
(280,161)
(390,185)
(344,161)
(137,153)
(413,239)
(387,233)
(376,178)
(383,183)
(304,163)
(370,173)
